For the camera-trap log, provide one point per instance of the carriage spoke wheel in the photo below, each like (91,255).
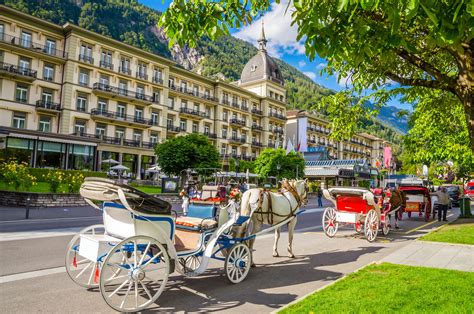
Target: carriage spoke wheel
(385,225)
(144,265)
(190,263)
(371,225)
(330,223)
(238,262)
(80,269)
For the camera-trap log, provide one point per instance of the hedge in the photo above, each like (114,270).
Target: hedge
(39,173)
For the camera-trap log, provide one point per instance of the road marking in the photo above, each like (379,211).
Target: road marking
(26,235)
(32,274)
(427,224)
(29,221)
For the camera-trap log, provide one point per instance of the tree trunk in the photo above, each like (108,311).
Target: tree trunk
(468,103)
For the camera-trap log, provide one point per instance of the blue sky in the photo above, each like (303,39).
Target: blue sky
(282,44)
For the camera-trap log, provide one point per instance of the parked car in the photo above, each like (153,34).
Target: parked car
(469,190)
(454,192)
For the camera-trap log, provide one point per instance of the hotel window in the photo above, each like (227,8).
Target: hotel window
(207,94)
(26,39)
(47,96)
(83,77)
(208,112)
(119,132)
(123,85)
(224,115)
(196,90)
(155,118)
(140,91)
(21,93)
(100,129)
(184,104)
(81,103)
(19,120)
(102,106)
(196,107)
(106,59)
(223,149)
(44,124)
(24,65)
(171,82)
(154,138)
(121,109)
(169,122)
(125,65)
(171,102)
(156,96)
(141,73)
(86,53)
(224,133)
(234,150)
(207,130)
(184,86)
(137,136)
(80,127)
(234,133)
(48,72)
(225,98)
(234,100)
(157,75)
(50,46)
(2,32)
(138,114)
(195,127)
(244,103)
(104,80)
(182,125)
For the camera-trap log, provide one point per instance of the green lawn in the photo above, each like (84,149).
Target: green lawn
(394,288)
(149,189)
(460,231)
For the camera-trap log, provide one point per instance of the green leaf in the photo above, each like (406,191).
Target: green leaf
(430,14)
(342,5)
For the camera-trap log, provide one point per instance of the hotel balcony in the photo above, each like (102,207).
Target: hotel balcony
(16,72)
(174,129)
(256,127)
(257,144)
(210,135)
(124,70)
(190,92)
(193,114)
(45,106)
(120,141)
(126,95)
(278,116)
(236,139)
(157,80)
(257,112)
(32,46)
(277,130)
(120,118)
(106,65)
(86,59)
(238,122)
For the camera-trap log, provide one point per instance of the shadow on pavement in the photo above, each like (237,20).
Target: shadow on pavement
(212,292)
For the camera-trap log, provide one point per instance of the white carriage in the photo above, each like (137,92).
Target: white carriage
(131,255)
(357,206)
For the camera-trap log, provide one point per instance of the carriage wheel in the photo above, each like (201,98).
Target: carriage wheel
(143,277)
(190,263)
(371,225)
(385,226)
(329,222)
(80,269)
(238,262)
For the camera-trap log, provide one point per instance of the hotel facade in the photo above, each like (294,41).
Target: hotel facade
(70,98)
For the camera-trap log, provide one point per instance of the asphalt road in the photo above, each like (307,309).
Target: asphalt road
(32,277)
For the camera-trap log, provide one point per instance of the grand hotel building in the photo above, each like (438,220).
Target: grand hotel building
(70,98)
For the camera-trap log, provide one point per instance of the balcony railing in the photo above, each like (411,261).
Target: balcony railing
(17,70)
(120,117)
(235,105)
(86,58)
(194,112)
(28,44)
(116,140)
(142,75)
(277,130)
(245,108)
(106,65)
(157,80)
(271,144)
(257,127)
(256,143)
(125,70)
(210,135)
(42,104)
(174,129)
(257,112)
(123,92)
(237,121)
(277,115)
(238,139)
(191,92)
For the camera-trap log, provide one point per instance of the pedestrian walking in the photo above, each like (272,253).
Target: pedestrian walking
(443,202)
(320,197)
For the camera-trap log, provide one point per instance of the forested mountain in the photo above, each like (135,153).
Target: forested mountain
(135,24)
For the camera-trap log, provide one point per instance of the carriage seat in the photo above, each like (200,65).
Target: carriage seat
(200,217)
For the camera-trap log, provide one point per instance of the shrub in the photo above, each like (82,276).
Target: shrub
(54,178)
(313,186)
(74,181)
(39,173)
(17,174)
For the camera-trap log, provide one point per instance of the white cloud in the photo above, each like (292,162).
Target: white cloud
(301,64)
(321,66)
(280,34)
(311,75)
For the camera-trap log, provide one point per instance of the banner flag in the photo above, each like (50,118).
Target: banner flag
(387,156)
(289,147)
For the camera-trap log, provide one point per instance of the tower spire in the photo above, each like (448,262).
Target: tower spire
(262,41)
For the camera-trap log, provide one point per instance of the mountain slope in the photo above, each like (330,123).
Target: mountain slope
(135,24)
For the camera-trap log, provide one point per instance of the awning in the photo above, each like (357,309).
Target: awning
(321,172)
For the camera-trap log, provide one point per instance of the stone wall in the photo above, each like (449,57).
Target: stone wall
(9,198)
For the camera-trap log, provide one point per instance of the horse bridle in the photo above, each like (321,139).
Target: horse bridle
(301,201)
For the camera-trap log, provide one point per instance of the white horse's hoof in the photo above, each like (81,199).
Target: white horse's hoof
(253,265)
(275,254)
(291,255)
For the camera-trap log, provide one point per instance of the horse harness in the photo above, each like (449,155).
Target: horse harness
(260,213)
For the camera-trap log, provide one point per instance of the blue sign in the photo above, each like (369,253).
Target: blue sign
(316,149)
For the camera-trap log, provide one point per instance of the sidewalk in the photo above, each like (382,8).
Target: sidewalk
(434,254)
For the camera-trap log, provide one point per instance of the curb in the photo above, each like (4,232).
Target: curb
(447,243)
(324,287)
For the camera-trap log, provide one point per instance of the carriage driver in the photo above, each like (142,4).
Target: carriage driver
(397,199)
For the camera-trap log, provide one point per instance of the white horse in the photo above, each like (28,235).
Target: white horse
(271,208)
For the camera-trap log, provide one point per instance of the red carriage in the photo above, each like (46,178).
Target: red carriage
(355,206)
(418,200)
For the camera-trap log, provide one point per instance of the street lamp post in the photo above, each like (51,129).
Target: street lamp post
(278,171)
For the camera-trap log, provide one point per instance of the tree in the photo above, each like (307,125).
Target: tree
(416,43)
(189,151)
(275,162)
